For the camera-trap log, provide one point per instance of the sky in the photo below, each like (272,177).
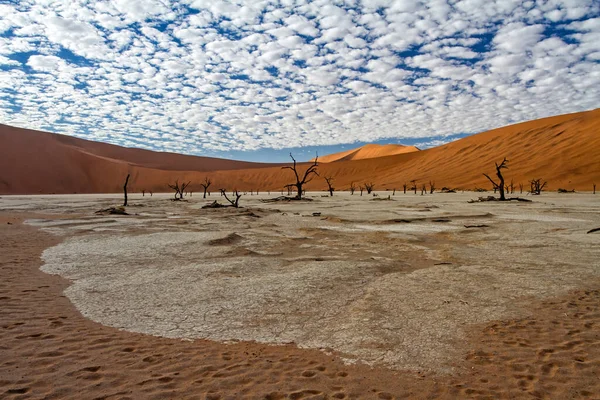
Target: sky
(254,80)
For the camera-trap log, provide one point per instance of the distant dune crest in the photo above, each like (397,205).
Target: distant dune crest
(368,151)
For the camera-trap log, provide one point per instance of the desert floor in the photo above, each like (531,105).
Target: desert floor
(339,297)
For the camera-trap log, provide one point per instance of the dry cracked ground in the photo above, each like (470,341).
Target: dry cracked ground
(392,283)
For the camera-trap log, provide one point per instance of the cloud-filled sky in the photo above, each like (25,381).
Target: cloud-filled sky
(213,77)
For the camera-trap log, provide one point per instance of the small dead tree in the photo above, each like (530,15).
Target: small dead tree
(500,185)
(330,188)
(431,187)
(521,188)
(234,203)
(151,193)
(423,189)
(179,190)
(289,188)
(307,177)
(404,186)
(125,190)
(594,188)
(537,186)
(414,185)
(512,186)
(143,193)
(205,185)
(394,192)
(361,190)
(369,187)
(352,187)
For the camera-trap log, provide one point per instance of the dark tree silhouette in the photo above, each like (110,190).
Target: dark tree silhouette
(500,185)
(205,185)
(594,188)
(235,193)
(330,188)
(125,190)
(414,185)
(352,187)
(423,189)
(143,193)
(307,177)
(361,190)
(179,190)
(521,188)
(537,186)
(369,187)
(431,187)
(404,186)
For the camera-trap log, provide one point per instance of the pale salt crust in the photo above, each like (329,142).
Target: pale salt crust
(353,281)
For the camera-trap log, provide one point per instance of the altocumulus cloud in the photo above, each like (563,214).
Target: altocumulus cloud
(197,76)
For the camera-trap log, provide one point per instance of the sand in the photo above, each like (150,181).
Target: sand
(368,151)
(378,299)
(562,150)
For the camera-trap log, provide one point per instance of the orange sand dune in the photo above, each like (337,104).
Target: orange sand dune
(564,150)
(368,151)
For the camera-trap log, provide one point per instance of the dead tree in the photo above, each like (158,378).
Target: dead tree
(431,187)
(423,189)
(205,185)
(521,188)
(125,190)
(394,192)
(329,180)
(352,187)
(512,186)
(143,193)
(537,186)
(594,188)
(307,177)
(361,190)
(289,188)
(369,187)
(179,190)
(404,186)
(414,185)
(235,202)
(500,185)
(151,193)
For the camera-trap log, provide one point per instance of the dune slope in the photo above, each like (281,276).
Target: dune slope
(564,150)
(368,151)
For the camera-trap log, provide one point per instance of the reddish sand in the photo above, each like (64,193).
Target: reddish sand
(563,150)
(48,350)
(368,151)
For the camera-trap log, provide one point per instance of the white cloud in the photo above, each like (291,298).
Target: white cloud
(242,75)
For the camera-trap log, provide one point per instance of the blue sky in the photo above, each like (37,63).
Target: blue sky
(254,80)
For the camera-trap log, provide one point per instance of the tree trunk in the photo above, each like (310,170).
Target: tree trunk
(125,191)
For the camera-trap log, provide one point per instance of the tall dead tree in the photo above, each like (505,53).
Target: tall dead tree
(369,187)
(235,193)
(537,186)
(307,177)
(179,190)
(352,187)
(330,188)
(500,185)
(125,190)
(205,185)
